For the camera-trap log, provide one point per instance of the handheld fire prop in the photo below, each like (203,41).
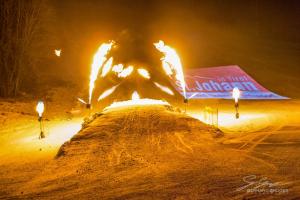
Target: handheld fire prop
(236,95)
(40,109)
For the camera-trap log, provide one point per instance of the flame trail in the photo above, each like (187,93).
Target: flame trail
(98,60)
(171,63)
(81,100)
(107,92)
(106,67)
(144,73)
(125,72)
(164,88)
(118,68)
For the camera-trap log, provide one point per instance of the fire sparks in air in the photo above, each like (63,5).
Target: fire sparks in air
(171,63)
(81,100)
(144,73)
(98,60)
(126,72)
(107,92)
(164,88)
(118,68)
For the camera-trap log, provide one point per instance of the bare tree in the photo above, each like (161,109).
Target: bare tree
(22,32)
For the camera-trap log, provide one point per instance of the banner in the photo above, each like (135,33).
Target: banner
(218,82)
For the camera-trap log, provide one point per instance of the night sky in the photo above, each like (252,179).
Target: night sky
(263,37)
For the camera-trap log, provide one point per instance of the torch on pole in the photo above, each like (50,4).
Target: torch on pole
(236,95)
(185,101)
(40,109)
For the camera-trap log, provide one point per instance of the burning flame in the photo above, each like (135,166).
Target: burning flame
(171,63)
(125,72)
(40,108)
(107,66)
(135,96)
(144,73)
(57,52)
(81,100)
(236,94)
(164,88)
(98,60)
(107,92)
(118,68)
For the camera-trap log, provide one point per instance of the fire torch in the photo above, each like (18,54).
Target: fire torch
(236,95)
(40,109)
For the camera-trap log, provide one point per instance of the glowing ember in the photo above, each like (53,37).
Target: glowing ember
(144,73)
(40,108)
(98,60)
(107,66)
(171,63)
(81,100)
(107,92)
(135,96)
(164,88)
(117,68)
(125,72)
(236,94)
(57,52)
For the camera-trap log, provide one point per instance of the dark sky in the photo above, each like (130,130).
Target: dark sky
(263,37)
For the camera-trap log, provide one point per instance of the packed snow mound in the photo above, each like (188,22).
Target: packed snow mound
(142,152)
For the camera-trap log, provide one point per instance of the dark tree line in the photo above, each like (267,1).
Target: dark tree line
(24,31)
